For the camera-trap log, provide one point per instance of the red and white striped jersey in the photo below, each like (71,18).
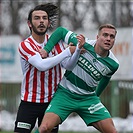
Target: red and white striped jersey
(38,86)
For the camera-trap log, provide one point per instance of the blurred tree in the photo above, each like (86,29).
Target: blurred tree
(74,14)
(14,8)
(125,17)
(11,11)
(0,19)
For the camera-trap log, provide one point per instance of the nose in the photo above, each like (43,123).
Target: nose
(108,38)
(41,19)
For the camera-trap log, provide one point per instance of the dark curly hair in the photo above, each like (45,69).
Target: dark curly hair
(50,9)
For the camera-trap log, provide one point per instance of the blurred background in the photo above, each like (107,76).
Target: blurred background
(80,16)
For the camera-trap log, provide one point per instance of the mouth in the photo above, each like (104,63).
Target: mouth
(107,44)
(41,26)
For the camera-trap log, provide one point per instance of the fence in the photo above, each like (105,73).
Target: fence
(9,96)
(118,97)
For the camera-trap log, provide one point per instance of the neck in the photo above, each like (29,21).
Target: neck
(38,38)
(100,51)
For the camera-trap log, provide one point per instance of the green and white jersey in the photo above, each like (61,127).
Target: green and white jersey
(92,72)
(88,72)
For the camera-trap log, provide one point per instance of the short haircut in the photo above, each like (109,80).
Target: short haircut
(107,26)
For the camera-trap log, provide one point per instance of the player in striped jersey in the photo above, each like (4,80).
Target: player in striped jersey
(82,84)
(40,76)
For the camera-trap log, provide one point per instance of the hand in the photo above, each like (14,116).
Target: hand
(82,51)
(43,53)
(81,40)
(72,48)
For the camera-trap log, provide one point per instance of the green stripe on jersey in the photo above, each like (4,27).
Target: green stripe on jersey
(110,63)
(77,81)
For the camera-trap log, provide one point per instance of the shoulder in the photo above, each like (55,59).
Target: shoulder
(91,42)
(112,56)
(113,60)
(25,41)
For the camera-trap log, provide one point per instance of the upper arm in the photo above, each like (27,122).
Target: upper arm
(26,50)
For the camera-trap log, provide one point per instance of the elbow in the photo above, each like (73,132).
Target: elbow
(40,67)
(69,68)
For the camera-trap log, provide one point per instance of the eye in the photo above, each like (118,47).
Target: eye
(112,36)
(36,17)
(45,18)
(105,34)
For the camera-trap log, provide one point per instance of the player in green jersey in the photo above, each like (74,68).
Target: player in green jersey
(84,81)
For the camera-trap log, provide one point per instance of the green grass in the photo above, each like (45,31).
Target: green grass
(63,132)
(59,132)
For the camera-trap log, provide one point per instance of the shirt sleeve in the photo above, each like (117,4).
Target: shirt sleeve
(47,63)
(102,85)
(70,62)
(61,33)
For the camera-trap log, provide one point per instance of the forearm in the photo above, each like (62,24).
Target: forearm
(60,34)
(102,85)
(70,62)
(47,63)
(56,36)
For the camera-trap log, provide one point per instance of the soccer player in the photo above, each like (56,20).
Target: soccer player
(40,76)
(82,84)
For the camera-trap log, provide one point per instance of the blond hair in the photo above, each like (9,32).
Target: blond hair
(107,26)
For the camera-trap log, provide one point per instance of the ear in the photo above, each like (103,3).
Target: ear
(97,36)
(29,24)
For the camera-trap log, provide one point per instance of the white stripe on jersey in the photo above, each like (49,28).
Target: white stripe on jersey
(67,36)
(38,86)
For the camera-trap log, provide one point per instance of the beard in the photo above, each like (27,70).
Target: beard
(39,32)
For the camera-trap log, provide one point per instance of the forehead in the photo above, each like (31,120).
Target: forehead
(108,30)
(39,13)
